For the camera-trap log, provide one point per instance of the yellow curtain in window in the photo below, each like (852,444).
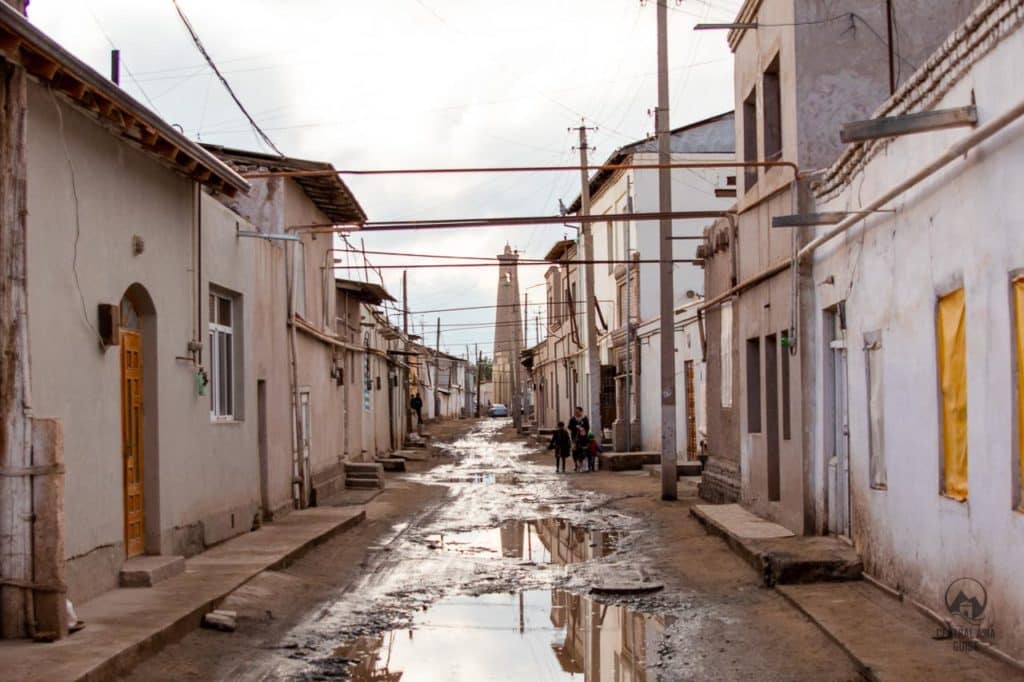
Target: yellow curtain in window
(1018,309)
(952,351)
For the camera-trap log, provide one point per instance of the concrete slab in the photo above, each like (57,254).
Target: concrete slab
(146,571)
(775,552)
(124,626)
(888,639)
(735,520)
(412,455)
(392,463)
(624,461)
(683,470)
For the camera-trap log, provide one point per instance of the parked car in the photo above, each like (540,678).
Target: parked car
(497,410)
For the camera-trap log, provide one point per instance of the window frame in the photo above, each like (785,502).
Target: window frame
(219,382)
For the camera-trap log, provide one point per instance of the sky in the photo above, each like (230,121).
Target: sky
(418,83)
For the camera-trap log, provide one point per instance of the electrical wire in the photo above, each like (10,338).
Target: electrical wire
(78,217)
(209,60)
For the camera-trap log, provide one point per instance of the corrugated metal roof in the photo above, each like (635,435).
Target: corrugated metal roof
(364,291)
(328,192)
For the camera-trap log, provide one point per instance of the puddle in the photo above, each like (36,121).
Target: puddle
(544,541)
(536,635)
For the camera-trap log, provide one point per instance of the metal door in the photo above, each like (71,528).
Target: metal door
(131,441)
(839,462)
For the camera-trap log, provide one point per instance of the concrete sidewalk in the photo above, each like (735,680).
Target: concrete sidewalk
(124,626)
(887,639)
(780,556)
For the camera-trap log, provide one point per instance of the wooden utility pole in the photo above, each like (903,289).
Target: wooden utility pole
(32,593)
(589,298)
(669,473)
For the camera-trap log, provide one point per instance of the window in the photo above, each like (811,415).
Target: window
(725,352)
(750,140)
(622,304)
(754,385)
(222,356)
(951,344)
(876,445)
(772,117)
(611,245)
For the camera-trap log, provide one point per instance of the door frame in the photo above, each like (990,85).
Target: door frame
(838,489)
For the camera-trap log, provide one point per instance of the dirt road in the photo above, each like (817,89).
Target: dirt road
(484,568)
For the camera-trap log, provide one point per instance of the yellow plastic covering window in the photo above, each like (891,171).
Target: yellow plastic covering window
(1018,309)
(952,351)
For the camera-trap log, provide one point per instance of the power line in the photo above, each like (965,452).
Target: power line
(223,80)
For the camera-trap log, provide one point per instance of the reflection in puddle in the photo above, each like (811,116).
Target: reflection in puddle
(536,635)
(545,541)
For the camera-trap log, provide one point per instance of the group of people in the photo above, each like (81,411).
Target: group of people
(578,440)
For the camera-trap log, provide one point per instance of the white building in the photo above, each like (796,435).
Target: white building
(696,189)
(922,309)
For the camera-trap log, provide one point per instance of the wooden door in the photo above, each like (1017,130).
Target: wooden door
(131,441)
(691,411)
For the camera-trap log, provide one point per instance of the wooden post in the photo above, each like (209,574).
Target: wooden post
(51,614)
(15,421)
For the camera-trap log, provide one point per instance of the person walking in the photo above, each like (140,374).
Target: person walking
(561,444)
(579,426)
(417,406)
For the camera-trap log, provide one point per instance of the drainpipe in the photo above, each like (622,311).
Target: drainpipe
(298,486)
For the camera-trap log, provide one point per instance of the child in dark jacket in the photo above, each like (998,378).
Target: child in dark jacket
(560,444)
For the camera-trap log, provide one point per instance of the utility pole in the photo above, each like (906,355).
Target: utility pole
(405,333)
(526,344)
(437,372)
(629,325)
(589,298)
(32,598)
(669,473)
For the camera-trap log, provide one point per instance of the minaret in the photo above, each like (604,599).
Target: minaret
(508,331)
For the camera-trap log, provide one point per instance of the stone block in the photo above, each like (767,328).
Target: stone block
(146,571)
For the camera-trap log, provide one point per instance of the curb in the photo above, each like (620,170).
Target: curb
(862,667)
(121,663)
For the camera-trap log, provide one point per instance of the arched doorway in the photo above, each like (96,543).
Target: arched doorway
(137,337)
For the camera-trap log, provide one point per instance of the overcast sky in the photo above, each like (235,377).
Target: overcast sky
(417,83)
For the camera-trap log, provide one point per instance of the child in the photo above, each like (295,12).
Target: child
(560,444)
(593,447)
(579,451)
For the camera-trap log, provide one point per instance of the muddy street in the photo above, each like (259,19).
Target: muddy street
(491,566)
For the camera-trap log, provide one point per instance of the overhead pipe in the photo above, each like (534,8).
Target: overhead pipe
(523,169)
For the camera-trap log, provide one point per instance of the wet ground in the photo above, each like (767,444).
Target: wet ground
(486,564)
(494,583)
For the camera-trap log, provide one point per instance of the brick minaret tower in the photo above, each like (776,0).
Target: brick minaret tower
(508,330)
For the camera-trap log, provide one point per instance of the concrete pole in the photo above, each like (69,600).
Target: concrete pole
(589,298)
(437,373)
(405,333)
(629,325)
(669,473)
